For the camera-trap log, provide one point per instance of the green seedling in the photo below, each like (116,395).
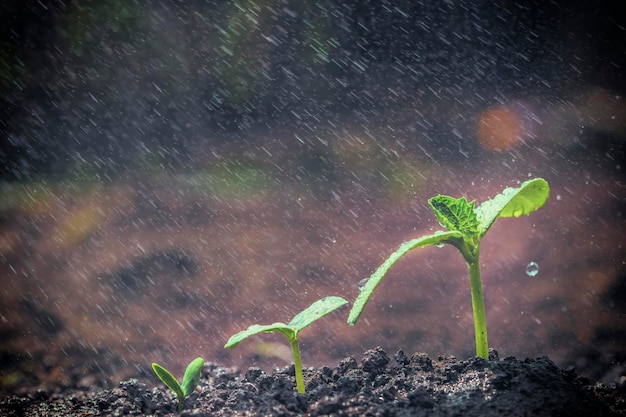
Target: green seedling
(315,311)
(190,380)
(466,226)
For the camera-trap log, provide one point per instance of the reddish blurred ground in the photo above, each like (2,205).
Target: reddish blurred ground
(100,281)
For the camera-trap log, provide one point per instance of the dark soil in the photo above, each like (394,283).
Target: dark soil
(378,386)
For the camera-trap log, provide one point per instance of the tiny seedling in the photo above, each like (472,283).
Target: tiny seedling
(466,226)
(190,380)
(315,311)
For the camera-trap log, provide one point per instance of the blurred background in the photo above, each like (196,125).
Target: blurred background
(172,172)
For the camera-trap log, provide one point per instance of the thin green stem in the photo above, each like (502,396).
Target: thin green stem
(478,307)
(297,364)
(181,402)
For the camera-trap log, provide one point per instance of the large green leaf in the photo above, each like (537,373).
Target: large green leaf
(513,202)
(168,379)
(191,379)
(453,237)
(315,311)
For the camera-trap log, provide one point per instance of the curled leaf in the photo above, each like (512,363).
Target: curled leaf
(455,213)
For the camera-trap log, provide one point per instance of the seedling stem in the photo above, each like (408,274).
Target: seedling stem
(297,364)
(478,308)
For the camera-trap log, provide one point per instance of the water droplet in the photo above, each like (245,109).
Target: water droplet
(362,283)
(439,245)
(532,269)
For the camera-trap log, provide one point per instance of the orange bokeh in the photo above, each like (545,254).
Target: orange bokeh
(499,129)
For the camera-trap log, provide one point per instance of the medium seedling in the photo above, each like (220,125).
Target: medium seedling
(466,226)
(190,380)
(315,311)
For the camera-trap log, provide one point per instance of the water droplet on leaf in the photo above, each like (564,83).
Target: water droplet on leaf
(532,269)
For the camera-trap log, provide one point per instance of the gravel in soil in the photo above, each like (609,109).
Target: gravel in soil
(379,385)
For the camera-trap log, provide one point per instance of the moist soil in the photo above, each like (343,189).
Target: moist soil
(378,385)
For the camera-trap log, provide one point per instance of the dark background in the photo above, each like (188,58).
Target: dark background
(105,84)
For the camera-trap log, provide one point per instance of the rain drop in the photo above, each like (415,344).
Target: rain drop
(362,283)
(532,269)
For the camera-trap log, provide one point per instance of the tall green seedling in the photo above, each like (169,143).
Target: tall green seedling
(466,226)
(306,317)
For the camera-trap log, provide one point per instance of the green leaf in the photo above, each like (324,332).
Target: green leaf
(168,379)
(315,311)
(192,376)
(455,213)
(452,237)
(237,338)
(513,202)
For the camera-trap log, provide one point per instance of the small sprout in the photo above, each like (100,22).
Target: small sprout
(190,380)
(315,311)
(466,226)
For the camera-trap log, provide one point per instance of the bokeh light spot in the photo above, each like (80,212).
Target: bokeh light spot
(498,129)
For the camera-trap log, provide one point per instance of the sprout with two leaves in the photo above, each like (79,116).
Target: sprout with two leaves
(191,378)
(315,311)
